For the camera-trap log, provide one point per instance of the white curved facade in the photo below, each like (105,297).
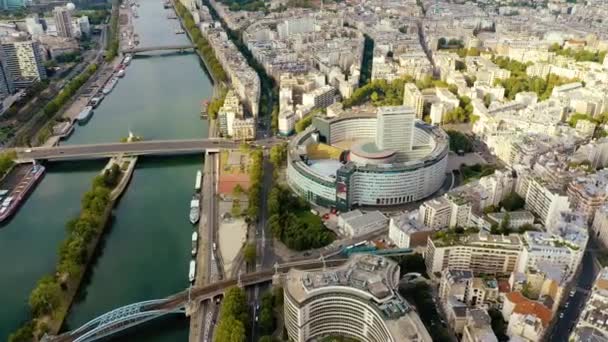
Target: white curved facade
(351,301)
(403,177)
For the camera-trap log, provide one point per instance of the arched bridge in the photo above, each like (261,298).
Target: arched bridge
(99,151)
(135,50)
(134,314)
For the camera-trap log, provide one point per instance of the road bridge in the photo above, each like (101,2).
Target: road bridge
(134,314)
(140,148)
(142,49)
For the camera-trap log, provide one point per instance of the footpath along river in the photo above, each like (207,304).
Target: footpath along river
(146,250)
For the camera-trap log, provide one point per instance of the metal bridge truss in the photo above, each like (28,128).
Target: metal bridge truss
(121,319)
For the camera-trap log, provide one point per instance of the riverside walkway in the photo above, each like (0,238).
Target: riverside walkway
(140,148)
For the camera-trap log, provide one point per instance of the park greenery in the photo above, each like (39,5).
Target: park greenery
(96,17)
(113,35)
(462,113)
(598,120)
(272,301)
(50,298)
(519,81)
(473,172)
(459,142)
(245,5)
(68,91)
(256,160)
(7,160)
(291,221)
(233,318)
(420,295)
(250,253)
(579,55)
(202,44)
(443,43)
(278,155)
(512,202)
(69,57)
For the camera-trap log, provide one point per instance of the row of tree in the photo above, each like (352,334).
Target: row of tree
(459,142)
(113,35)
(579,55)
(278,155)
(216,103)
(291,221)
(202,44)
(7,160)
(50,295)
(68,91)
(234,317)
(520,81)
(256,170)
(272,301)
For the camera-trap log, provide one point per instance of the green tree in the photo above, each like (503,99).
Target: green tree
(24,334)
(7,160)
(278,154)
(513,202)
(238,190)
(229,329)
(505,223)
(236,208)
(250,253)
(45,297)
(235,304)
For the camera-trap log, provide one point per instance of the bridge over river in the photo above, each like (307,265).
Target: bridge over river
(135,50)
(140,148)
(134,314)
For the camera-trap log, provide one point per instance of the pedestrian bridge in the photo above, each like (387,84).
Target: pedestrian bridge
(142,49)
(140,148)
(131,315)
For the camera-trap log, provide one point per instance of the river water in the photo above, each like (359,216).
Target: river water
(145,252)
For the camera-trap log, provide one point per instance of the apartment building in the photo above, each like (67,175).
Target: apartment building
(412,97)
(23,60)
(546,200)
(480,253)
(406,231)
(592,324)
(588,193)
(435,213)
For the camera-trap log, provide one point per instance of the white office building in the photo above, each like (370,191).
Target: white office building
(358,300)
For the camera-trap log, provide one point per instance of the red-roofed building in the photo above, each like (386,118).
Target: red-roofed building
(527,318)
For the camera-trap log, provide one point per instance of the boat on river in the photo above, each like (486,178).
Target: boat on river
(199,181)
(192,271)
(194,243)
(195,209)
(85,115)
(20,191)
(96,101)
(110,85)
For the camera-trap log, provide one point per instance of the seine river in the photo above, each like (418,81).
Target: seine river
(146,250)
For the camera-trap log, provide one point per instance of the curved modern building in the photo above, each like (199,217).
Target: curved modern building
(377,158)
(356,300)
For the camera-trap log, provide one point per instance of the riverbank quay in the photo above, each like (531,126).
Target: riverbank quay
(79,99)
(51,299)
(205,52)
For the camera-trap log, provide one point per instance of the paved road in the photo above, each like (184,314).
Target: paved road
(564,326)
(136,148)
